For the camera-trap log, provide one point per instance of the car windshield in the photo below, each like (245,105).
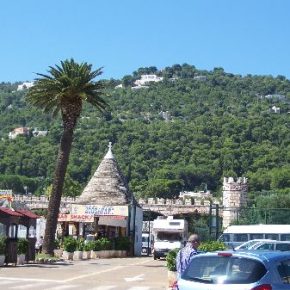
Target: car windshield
(272,246)
(247,245)
(224,270)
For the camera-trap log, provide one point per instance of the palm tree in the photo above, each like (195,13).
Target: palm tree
(64,90)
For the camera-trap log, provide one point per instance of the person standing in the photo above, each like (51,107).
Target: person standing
(38,245)
(185,255)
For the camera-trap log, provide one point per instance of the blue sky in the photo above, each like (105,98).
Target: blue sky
(242,36)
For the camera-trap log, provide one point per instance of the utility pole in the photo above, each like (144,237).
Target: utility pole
(214,220)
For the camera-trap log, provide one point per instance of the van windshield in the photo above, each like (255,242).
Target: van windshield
(224,238)
(167,236)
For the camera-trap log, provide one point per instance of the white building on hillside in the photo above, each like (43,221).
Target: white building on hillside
(145,79)
(25,85)
(18,131)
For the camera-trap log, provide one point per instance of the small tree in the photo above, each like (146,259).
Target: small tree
(2,245)
(69,244)
(22,246)
(171,260)
(102,244)
(122,243)
(211,246)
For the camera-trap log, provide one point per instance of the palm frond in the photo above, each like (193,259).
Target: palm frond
(68,81)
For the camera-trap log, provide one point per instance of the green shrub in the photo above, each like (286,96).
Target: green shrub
(45,257)
(69,244)
(2,245)
(89,246)
(80,245)
(122,243)
(57,244)
(22,246)
(102,244)
(211,246)
(171,260)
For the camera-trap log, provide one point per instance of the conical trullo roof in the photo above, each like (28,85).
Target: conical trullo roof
(108,185)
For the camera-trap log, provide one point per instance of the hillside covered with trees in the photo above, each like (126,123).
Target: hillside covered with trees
(185,132)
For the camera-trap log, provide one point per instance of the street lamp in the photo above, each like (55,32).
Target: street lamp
(25,188)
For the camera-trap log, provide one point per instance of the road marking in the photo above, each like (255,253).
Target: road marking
(29,279)
(63,287)
(92,274)
(28,286)
(104,288)
(135,278)
(104,271)
(5,282)
(139,288)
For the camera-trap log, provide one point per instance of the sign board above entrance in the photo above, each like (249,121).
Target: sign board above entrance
(99,210)
(86,218)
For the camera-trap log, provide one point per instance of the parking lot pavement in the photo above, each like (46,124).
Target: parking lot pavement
(141,273)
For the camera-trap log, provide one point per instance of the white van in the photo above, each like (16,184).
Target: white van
(146,243)
(235,235)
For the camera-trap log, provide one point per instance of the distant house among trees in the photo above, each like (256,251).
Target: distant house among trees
(145,79)
(24,131)
(275,96)
(25,85)
(275,110)
(200,78)
(38,133)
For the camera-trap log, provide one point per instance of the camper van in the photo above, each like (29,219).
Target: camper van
(168,234)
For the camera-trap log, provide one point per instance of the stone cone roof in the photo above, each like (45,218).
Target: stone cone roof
(108,185)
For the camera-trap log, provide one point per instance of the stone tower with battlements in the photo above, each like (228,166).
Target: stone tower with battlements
(235,193)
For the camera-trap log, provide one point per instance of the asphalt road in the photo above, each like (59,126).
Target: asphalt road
(138,273)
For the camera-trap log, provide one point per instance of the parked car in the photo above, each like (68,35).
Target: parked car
(271,245)
(249,244)
(235,270)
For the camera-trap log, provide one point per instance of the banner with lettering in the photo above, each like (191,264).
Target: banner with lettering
(66,217)
(99,210)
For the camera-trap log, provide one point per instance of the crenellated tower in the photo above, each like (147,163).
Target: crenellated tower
(235,193)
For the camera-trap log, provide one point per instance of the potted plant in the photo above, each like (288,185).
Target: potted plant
(88,247)
(58,251)
(122,246)
(171,266)
(102,247)
(105,246)
(22,248)
(69,246)
(2,250)
(78,253)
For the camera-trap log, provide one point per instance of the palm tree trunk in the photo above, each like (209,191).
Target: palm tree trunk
(57,186)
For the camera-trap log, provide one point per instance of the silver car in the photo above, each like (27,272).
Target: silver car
(230,270)
(249,244)
(272,246)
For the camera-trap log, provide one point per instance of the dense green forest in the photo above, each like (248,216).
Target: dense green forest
(184,133)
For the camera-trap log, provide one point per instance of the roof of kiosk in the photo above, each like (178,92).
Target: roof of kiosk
(107,186)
